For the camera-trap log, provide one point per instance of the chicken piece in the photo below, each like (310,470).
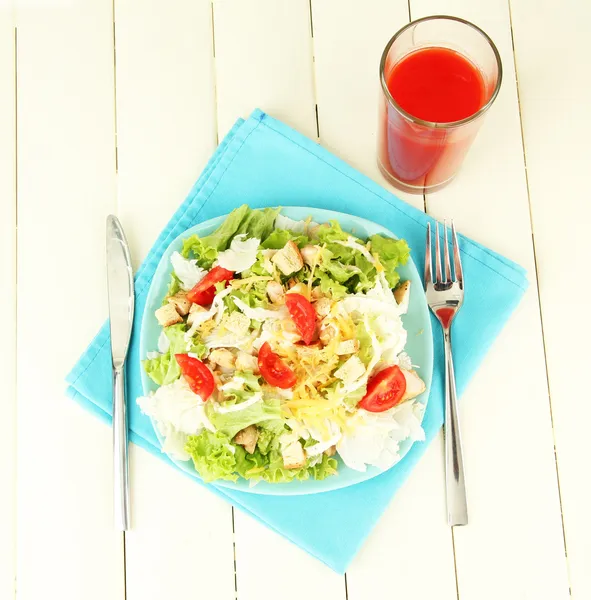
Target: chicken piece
(414,385)
(347,347)
(310,254)
(275,292)
(351,370)
(322,307)
(195,308)
(222,357)
(237,323)
(402,296)
(327,333)
(316,293)
(331,451)
(180,302)
(246,362)
(167,315)
(288,259)
(248,438)
(293,455)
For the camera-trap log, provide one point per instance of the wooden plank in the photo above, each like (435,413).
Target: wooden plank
(182,535)
(8,303)
(413,529)
(513,547)
(67,546)
(263,55)
(554,95)
(263,58)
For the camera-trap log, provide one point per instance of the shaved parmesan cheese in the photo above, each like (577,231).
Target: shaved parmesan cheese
(187,271)
(163,343)
(241,255)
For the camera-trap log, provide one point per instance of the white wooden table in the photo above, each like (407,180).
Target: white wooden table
(115,107)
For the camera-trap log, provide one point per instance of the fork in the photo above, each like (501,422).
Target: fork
(445,296)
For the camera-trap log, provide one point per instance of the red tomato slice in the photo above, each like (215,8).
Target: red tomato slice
(384,390)
(303,315)
(274,370)
(204,292)
(197,375)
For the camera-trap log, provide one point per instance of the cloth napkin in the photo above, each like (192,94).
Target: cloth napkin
(263,162)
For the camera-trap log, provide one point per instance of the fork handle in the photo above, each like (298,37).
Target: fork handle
(457,510)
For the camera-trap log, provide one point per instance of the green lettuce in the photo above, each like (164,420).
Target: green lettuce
(391,253)
(280,237)
(331,233)
(259,223)
(232,422)
(212,456)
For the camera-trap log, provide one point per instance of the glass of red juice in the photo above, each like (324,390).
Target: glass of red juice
(439,76)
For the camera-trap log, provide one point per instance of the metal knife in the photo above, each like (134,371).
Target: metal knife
(121,308)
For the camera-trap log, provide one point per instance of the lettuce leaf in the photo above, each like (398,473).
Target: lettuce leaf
(259,223)
(331,233)
(212,456)
(391,253)
(280,237)
(232,422)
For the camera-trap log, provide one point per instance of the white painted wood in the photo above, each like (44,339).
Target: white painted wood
(412,537)
(555,96)
(8,304)
(67,546)
(513,547)
(181,540)
(263,60)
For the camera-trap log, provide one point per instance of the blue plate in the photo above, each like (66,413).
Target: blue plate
(419,345)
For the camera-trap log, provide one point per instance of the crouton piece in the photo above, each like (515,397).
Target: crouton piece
(248,438)
(327,333)
(222,357)
(310,255)
(322,307)
(348,347)
(293,455)
(180,302)
(402,296)
(288,259)
(247,362)
(195,308)
(275,292)
(414,385)
(167,315)
(331,451)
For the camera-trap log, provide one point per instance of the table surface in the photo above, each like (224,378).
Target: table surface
(115,107)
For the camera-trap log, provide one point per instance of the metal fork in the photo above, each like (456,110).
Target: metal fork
(445,296)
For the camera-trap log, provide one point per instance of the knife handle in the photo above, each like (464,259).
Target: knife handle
(120,459)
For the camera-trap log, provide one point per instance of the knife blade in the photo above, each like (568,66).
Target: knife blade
(121,309)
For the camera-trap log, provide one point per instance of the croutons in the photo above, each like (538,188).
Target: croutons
(222,357)
(322,307)
(248,438)
(275,292)
(414,385)
(167,315)
(288,259)
(347,347)
(180,302)
(195,308)
(402,296)
(247,362)
(293,455)
(310,255)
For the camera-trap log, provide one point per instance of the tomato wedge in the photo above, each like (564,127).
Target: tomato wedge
(384,390)
(204,292)
(197,375)
(274,370)
(303,315)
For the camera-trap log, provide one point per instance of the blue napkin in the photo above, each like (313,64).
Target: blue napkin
(263,162)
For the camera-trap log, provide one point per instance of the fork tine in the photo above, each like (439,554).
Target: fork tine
(446,254)
(459,273)
(437,255)
(428,277)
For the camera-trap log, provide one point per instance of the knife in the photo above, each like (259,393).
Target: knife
(121,307)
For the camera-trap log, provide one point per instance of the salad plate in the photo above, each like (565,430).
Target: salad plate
(234,409)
